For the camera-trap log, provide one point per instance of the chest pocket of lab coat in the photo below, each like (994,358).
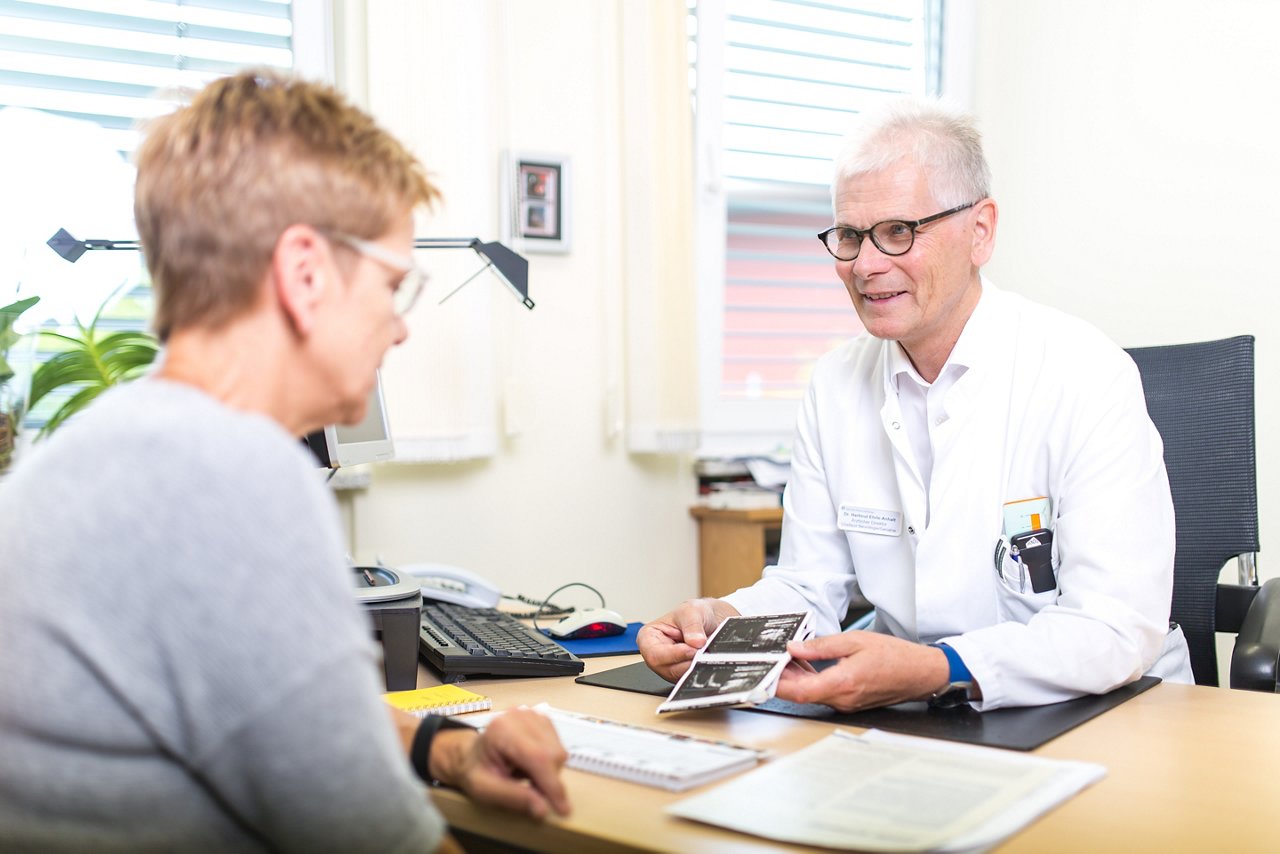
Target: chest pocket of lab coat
(1017,602)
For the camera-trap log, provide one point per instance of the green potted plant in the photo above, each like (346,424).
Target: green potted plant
(93,360)
(12,397)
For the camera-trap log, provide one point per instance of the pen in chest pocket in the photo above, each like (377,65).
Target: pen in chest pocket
(1005,550)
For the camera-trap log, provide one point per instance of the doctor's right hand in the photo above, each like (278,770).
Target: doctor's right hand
(669,643)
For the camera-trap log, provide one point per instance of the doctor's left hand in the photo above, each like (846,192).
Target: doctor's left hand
(872,670)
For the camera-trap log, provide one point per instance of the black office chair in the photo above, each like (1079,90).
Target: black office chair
(1200,397)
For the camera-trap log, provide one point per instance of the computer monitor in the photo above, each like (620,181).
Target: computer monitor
(339,445)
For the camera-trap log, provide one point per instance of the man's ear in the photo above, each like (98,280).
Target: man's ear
(300,275)
(984,232)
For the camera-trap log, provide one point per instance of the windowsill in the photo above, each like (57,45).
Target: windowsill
(351,477)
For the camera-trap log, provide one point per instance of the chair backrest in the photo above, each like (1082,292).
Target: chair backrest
(1200,397)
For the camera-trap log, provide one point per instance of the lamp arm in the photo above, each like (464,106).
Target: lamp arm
(509,266)
(446,242)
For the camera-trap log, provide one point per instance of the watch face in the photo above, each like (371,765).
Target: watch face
(954,696)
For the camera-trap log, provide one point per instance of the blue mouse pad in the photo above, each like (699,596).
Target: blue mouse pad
(623,644)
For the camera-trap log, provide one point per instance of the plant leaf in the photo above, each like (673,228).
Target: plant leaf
(93,361)
(71,366)
(16,308)
(127,363)
(74,404)
(128,339)
(8,316)
(9,313)
(128,335)
(67,339)
(124,355)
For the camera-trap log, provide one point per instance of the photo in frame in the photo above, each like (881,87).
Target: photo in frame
(536,202)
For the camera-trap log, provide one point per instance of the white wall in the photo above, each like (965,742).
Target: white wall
(562,500)
(1134,148)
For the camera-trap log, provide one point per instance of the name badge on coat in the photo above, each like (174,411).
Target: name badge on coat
(869,520)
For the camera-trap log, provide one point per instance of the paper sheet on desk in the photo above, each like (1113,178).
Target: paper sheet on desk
(654,757)
(884,792)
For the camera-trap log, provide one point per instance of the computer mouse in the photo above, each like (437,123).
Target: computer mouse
(589,623)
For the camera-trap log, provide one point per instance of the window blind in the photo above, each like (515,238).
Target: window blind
(114,62)
(778,84)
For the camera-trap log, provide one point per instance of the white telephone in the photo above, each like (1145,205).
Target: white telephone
(446,583)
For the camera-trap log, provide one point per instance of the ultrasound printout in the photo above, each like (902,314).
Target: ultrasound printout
(741,662)
(712,679)
(745,635)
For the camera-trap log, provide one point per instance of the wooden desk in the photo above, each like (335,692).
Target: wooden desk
(732,545)
(1190,769)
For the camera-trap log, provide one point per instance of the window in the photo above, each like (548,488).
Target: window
(75,78)
(778,84)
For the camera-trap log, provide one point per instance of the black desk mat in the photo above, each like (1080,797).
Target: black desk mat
(1013,729)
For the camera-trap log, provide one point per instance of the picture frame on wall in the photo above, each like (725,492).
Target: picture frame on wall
(536,201)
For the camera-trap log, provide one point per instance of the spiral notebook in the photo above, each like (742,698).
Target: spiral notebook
(652,757)
(438,700)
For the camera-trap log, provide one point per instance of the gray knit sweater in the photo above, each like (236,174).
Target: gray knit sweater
(182,662)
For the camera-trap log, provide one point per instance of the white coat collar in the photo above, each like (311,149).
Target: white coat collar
(979,342)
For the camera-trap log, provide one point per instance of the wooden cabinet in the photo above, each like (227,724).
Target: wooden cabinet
(734,546)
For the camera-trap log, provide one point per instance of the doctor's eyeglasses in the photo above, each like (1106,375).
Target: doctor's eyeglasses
(892,236)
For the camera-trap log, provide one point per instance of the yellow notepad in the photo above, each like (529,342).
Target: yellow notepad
(439,700)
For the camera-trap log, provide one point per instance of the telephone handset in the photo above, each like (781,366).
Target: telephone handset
(446,583)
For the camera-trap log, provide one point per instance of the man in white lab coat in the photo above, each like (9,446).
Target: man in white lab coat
(981,468)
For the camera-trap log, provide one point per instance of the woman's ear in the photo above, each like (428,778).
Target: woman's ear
(300,273)
(984,232)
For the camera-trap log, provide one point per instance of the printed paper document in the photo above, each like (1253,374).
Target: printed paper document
(886,792)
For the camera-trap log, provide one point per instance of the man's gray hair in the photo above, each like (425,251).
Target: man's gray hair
(940,138)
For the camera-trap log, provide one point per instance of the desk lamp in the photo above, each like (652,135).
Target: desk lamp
(509,266)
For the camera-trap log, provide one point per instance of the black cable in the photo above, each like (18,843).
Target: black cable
(539,612)
(553,611)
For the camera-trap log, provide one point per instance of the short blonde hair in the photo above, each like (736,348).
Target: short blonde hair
(220,179)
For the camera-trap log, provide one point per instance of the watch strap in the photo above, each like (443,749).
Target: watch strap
(420,750)
(959,680)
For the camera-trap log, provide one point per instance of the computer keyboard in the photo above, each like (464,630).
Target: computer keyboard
(460,641)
